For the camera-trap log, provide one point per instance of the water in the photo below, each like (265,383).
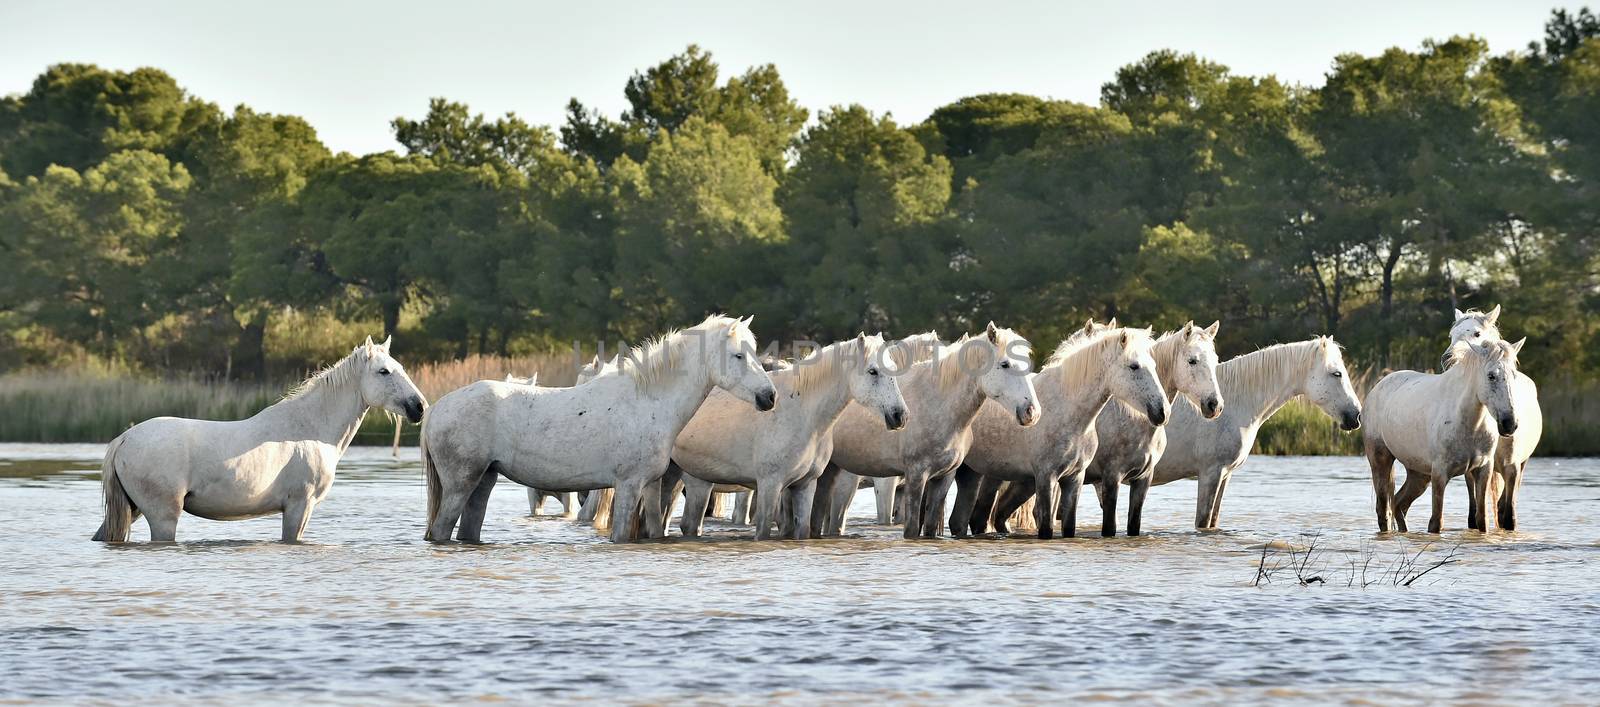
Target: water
(365,610)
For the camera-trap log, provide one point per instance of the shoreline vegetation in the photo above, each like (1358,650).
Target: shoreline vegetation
(95,404)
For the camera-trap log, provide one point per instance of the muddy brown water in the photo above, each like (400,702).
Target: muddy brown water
(365,610)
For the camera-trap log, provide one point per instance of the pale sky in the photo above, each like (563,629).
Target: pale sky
(349,68)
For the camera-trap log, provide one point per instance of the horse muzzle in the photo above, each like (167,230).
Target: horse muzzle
(1157,415)
(766,400)
(414,409)
(1213,407)
(1350,421)
(895,419)
(1508,426)
(1027,414)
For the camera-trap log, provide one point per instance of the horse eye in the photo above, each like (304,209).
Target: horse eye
(1193,361)
(1338,374)
(1493,377)
(872,371)
(1005,364)
(739,356)
(1133,366)
(383,371)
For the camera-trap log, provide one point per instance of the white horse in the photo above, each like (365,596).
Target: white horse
(1441,425)
(944,393)
(783,453)
(614,431)
(1129,446)
(1255,385)
(1511,456)
(1087,370)
(282,460)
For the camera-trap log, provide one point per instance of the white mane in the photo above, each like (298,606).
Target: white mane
(334,375)
(652,363)
(1074,367)
(1273,363)
(948,361)
(825,364)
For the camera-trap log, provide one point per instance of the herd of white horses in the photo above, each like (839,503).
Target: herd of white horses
(697,413)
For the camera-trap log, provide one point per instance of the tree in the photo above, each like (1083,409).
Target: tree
(863,201)
(88,252)
(698,224)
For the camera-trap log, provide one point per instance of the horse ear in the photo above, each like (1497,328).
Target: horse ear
(1517,347)
(993,333)
(1494,314)
(1212,330)
(1459,313)
(386,341)
(1112,324)
(1188,329)
(368,345)
(1124,338)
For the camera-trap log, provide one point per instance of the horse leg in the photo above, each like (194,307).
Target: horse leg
(471,530)
(983,503)
(916,490)
(696,495)
(844,492)
(966,481)
(716,506)
(741,508)
(1474,502)
(1416,482)
(535,501)
(569,505)
(1137,489)
(1216,501)
(1441,478)
(1107,491)
(822,505)
(625,506)
(884,490)
(651,519)
(767,502)
(1011,498)
(1045,503)
(933,507)
(1485,479)
(1210,480)
(1382,463)
(801,495)
(1508,497)
(295,515)
(1071,486)
(671,487)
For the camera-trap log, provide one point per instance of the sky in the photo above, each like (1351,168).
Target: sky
(349,68)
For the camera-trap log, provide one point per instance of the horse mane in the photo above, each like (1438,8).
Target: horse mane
(1274,362)
(653,362)
(824,365)
(914,349)
(947,362)
(1490,351)
(1074,367)
(333,375)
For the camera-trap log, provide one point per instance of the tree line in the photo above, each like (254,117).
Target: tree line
(140,223)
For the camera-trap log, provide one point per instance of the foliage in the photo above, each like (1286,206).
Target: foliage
(142,225)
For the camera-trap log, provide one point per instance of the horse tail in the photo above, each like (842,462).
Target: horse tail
(119,509)
(435,489)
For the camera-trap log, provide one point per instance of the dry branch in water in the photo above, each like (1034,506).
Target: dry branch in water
(1282,562)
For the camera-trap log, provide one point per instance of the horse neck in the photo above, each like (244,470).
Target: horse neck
(328,413)
(1165,352)
(1071,396)
(948,408)
(679,395)
(1260,398)
(1466,399)
(824,402)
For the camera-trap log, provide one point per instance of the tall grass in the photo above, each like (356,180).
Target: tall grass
(94,404)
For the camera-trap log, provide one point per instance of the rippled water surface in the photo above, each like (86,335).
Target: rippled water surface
(366,610)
